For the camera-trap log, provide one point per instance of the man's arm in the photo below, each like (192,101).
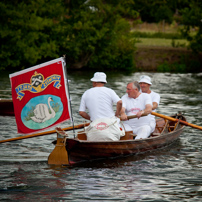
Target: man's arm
(118,108)
(145,112)
(155,105)
(123,114)
(84,115)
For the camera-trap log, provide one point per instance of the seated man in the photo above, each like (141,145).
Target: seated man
(145,83)
(135,102)
(99,101)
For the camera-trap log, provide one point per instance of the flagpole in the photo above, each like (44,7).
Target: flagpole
(72,119)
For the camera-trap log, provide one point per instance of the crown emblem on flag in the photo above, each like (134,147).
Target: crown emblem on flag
(37,79)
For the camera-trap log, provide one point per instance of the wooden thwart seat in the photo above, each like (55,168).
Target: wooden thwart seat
(128,136)
(81,135)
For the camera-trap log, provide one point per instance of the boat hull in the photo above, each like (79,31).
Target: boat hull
(82,150)
(79,150)
(6,107)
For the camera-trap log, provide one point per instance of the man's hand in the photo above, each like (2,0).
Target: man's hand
(124,117)
(139,114)
(84,115)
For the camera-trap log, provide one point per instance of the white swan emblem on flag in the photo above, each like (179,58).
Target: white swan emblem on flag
(41,112)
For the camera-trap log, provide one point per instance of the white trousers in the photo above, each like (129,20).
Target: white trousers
(141,132)
(152,125)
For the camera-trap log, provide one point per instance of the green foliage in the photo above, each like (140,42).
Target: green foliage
(163,13)
(99,36)
(192,21)
(186,64)
(157,11)
(25,32)
(177,44)
(161,35)
(165,67)
(91,33)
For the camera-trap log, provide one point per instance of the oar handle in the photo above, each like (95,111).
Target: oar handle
(132,117)
(176,120)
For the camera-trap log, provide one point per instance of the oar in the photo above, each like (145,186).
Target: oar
(44,133)
(51,132)
(176,120)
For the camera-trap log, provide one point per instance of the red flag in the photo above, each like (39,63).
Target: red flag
(40,96)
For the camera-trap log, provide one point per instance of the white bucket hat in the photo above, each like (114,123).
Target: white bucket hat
(99,77)
(145,79)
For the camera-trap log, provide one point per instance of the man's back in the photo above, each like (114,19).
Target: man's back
(99,102)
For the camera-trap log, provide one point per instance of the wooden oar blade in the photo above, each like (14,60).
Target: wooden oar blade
(59,155)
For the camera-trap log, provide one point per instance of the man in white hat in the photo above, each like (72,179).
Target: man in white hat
(145,83)
(99,101)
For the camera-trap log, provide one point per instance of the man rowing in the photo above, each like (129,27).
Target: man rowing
(139,104)
(145,84)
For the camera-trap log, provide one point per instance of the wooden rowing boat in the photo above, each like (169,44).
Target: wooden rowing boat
(6,107)
(78,149)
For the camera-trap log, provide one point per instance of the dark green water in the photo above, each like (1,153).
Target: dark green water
(170,174)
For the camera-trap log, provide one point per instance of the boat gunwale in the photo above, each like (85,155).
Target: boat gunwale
(129,141)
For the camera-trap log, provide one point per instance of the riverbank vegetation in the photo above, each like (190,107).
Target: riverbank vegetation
(96,34)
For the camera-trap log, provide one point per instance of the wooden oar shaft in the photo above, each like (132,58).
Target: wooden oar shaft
(44,133)
(51,132)
(132,117)
(176,120)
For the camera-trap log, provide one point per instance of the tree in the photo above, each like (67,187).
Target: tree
(163,13)
(96,34)
(91,33)
(192,22)
(25,32)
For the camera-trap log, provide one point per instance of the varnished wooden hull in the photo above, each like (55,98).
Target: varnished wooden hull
(82,150)
(6,107)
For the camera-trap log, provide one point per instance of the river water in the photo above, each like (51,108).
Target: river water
(170,174)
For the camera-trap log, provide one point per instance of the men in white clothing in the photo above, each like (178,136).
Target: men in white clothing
(135,102)
(99,101)
(145,83)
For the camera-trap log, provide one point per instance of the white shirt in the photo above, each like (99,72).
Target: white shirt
(99,102)
(155,98)
(133,106)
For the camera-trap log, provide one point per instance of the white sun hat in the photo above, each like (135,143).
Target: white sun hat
(99,77)
(145,79)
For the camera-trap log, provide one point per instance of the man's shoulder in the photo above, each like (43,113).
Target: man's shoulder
(125,96)
(107,88)
(88,90)
(99,89)
(110,91)
(154,93)
(145,95)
